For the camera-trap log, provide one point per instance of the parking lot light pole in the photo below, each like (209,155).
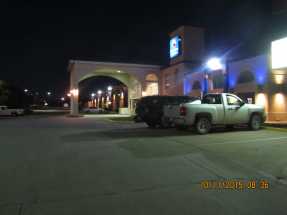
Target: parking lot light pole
(93,97)
(99,98)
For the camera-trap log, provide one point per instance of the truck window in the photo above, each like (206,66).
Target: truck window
(231,100)
(212,99)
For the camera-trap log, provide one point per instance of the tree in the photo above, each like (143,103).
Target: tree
(4,92)
(11,95)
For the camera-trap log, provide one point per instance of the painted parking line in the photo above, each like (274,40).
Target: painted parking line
(245,141)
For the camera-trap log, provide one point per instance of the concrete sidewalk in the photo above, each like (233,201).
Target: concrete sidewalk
(276,123)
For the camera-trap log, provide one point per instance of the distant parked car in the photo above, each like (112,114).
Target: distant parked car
(150,109)
(5,111)
(94,110)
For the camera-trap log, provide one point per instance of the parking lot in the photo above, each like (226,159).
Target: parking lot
(93,165)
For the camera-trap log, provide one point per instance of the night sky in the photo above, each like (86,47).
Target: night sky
(37,42)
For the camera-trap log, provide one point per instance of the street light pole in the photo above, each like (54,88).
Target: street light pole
(205,90)
(226,77)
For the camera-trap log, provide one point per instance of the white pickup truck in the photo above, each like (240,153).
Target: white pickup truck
(219,109)
(5,111)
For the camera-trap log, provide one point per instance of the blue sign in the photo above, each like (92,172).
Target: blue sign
(174,46)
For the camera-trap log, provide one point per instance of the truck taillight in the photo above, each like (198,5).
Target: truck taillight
(182,111)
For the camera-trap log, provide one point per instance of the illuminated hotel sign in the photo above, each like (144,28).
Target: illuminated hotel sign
(279,53)
(174,47)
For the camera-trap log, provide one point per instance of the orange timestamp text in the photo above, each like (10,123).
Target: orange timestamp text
(235,184)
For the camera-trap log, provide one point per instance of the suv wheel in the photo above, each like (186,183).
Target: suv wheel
(203,125)
(165,122)
(255,122)
(151,125)
(14,114)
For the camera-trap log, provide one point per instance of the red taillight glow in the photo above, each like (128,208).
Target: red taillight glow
(182,111)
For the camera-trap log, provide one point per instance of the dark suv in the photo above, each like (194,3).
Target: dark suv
(150,109)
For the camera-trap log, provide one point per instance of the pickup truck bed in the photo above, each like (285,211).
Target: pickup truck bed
(172,112)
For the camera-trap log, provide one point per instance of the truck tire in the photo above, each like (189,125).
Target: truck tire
(255,122)
(203,125)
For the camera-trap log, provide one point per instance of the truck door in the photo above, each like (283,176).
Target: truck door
(216,101)
(235,112)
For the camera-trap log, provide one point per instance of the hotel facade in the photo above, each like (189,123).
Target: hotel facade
(259,78)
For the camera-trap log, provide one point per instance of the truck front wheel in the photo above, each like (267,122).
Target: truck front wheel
(203,125)
(255,122)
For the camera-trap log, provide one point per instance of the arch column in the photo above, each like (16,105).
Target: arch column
(74,101)
(134,92)
(74,90)
(130,101)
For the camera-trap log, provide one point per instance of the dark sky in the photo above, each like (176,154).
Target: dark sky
(37,41)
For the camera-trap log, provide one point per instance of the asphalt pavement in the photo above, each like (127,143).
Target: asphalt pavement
(92,165)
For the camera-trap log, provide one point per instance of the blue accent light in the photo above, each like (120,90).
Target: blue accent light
(257,65)
(231,80)
(261,69)
(186,86)
(261,75)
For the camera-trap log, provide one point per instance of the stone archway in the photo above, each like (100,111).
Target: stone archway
(132,75)
(103,91)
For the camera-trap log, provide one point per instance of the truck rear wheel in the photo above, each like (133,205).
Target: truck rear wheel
(203,125)
(255,122)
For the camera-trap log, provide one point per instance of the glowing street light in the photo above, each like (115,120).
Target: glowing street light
(48,93)
(63,99)
(74,92)
(69,94)
(214,64)
(93,95)
(26,90)
(110,88)
(100,92)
